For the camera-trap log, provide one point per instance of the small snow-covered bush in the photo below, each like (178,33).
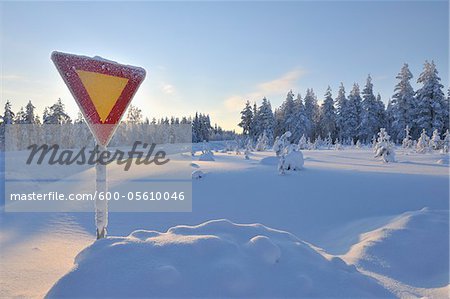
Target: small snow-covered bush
(446,142)
(407,141)
(384,147)
(207,154)
(303,143)
(435,142)
(423,143)
(281,143)
(290,158)
(262,143)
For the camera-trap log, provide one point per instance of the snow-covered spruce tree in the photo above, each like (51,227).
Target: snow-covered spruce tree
(389,116)
(353,120)
(8,114)
(266,119)
(30,117)
(303,143)
(423,143)
(435,141)
(329,141)
(384,148)
(327,122)
(338,145)
(287,110)
(358,144)
(403,104)
(430,100)
(302,124)
(446,142)
(370,122)
(311,112)
(381,113)
(341,103)
(407,141)
(255,128)
(56,114)
(262,142)
(246,119)
(447,112)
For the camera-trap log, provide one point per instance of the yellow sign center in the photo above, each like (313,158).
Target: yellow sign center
(104,90)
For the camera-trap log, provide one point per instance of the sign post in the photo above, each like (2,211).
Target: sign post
(103,89)
(101,206)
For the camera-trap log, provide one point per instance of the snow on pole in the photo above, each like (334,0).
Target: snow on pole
(101,204)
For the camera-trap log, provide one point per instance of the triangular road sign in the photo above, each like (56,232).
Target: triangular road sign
(102,89)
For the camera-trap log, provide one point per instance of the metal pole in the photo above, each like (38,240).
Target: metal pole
(101,206)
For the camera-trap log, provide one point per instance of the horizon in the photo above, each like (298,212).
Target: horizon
(208,57)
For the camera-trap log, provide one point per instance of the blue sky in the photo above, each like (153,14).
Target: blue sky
(212,56)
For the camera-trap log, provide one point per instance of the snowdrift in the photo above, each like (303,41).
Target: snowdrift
(214,259)
(412,248)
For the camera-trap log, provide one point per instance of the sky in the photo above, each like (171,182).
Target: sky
(211,57)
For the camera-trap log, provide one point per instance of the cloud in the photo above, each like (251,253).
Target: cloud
(11,77)
(282,84)
(168,89)
(265,89)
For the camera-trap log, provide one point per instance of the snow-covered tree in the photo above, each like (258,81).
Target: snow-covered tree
(446,142)
(327,122)
(423,143)
(262,142)
(303,142)
(266,119)
(353,120)
(435,141)
(56,114)
(403,104)
(407,141)
(8,114)
(341,103)
(302,125)
(281,143)
(384,148)
(370,114)
(30,117)
(287,110)
(246,119)
(430,100)
(311,112)
(134,115)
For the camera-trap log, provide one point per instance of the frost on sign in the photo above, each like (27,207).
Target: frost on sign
(102,89)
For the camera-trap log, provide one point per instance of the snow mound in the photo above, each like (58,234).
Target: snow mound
(269,161)
(214,259)
(293,161)
(197,174)
(208,156)
(412,248)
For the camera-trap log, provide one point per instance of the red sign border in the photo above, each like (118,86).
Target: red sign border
(68,64)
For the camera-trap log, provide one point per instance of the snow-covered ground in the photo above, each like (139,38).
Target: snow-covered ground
(388,222)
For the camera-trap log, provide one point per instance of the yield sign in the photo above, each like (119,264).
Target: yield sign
(102,89)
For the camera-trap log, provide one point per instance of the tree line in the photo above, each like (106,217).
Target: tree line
(358,116)
(133,125)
